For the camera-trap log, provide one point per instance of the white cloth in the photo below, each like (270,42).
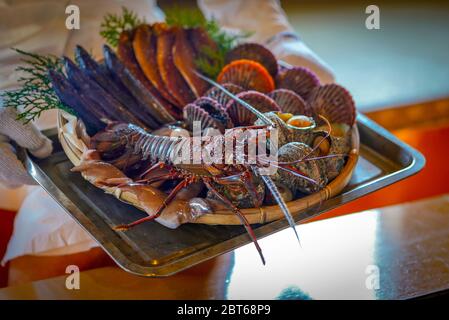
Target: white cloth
(12,172)
(41,226)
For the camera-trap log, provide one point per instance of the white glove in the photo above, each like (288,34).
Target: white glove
(270,26)
(12,171)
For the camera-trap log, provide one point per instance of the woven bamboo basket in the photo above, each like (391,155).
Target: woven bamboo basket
(73,147)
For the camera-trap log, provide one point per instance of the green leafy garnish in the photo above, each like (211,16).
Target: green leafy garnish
(184,17)
(114,24)
(36,94)
(211,60)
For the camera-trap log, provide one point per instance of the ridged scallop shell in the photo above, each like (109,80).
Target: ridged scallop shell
(298,79)
(288,154)
(282,68)
(241,116)
(255,52)
(209,112)
(248,74)
(333,102)
(290,102)
(221,97)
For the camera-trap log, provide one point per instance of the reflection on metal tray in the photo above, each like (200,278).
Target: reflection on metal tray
(151,249)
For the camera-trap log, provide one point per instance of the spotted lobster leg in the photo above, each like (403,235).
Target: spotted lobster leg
(239,214)
(246,179)
(184,183)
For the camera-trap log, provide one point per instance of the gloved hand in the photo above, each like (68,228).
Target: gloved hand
(12,171)
(270,26)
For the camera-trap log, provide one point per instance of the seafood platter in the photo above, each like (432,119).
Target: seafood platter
(128,115)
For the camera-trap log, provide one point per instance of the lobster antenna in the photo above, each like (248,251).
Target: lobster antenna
(280,201)
(259,114)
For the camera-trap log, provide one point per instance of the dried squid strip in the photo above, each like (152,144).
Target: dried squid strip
(126,54)
(184,58)
(145,47)
(172,78)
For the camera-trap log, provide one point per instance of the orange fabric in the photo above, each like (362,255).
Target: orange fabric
(433,143)
(6,226)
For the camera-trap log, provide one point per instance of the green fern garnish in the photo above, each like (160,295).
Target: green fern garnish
(36,94)
(113,25)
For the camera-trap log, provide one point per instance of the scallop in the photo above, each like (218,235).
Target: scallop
(298,79)
(255,52)
(208,113)
(333,102)
(241,116)
(290,102)
(221,97)
(248,74)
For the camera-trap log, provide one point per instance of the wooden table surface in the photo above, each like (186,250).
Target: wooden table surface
(403,248)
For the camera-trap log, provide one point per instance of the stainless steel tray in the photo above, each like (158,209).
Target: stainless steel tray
(151,249)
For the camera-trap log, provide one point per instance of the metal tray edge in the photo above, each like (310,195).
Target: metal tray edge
(417,163)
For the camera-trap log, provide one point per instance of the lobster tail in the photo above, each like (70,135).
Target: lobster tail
(123,145)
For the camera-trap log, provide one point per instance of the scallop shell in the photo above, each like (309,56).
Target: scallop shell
(333,102)
(255,52)
(287,157)
(209,112)
(241,116)
(172,78)
(221,97)
(290,102)
(248,74)
(298,79)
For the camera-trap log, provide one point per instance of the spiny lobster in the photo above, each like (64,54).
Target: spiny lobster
(134,150)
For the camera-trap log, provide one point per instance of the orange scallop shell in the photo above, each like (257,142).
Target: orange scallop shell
(248,74)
